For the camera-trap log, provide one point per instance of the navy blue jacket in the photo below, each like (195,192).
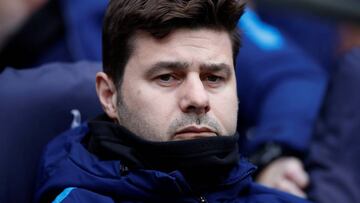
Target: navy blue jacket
(70,173)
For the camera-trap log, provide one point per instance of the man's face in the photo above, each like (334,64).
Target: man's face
(180,87)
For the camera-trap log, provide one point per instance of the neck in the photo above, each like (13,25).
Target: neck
(203,161)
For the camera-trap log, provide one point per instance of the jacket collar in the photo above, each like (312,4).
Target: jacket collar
(75,166)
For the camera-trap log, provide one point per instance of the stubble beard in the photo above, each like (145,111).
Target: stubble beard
(140,126)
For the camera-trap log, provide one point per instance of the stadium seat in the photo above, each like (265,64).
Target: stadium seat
(35,105)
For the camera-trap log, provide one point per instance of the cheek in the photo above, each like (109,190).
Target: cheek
(225,109)
(153,105)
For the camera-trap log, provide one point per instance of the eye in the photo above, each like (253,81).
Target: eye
(166,77)
(166,80)
(213,80)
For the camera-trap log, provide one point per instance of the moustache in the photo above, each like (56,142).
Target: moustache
(191,119)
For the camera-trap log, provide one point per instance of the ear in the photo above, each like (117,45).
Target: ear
(107,93)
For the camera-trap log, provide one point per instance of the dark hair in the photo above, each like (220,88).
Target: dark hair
(124,18)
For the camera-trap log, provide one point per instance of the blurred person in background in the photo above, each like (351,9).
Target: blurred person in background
(13,13)
(334,154)
(59,31)
(281,88)
(334,157)
(332,161)
(315,35)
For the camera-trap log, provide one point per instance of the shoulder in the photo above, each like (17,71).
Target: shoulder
(56,159)
(62,144)
(62,152)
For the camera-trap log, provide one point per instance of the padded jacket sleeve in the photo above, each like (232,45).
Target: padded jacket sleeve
(280,88)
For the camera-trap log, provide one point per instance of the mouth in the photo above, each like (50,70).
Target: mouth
(194,132)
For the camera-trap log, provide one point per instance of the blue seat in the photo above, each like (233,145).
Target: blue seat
(35,106)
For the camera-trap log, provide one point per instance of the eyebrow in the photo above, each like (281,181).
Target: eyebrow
(183,66)
(221,67)
(167,65)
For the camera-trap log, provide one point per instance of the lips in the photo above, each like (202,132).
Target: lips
(194,132)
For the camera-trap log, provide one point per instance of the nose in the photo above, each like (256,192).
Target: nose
(194,96)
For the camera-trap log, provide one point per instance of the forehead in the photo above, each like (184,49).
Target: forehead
(191,46)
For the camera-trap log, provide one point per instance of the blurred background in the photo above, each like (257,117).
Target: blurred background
(298,78)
